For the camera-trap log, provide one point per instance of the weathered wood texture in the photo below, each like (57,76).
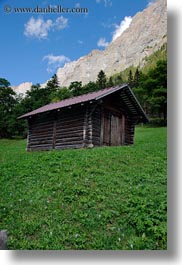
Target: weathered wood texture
(40,134)
(57,130)
(113,121)
(69,128)
(93,124)
(96,126)
(129,131)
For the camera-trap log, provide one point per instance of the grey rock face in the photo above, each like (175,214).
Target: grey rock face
(146,34)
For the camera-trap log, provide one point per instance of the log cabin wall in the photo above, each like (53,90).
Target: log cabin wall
(40,133)
(96,126)
(129,131)
(70,128)
(57,130)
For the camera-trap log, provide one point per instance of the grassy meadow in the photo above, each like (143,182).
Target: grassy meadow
(101,198)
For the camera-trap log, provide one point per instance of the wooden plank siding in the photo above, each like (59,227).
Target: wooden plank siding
(87,125)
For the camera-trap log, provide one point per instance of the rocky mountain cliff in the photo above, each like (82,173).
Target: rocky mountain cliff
(145,35)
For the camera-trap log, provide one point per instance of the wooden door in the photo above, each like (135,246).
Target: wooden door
(113,129)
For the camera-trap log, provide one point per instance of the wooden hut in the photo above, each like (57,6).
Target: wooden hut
(105,117)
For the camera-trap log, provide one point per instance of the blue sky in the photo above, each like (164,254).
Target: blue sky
(34,45)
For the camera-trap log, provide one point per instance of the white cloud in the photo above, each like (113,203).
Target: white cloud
(119,29)
(61,22)
(39,28)
(102,43)
(107,3)
(54,61)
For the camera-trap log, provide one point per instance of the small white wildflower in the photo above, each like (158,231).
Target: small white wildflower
(119,239)
(131,246)
(99,216)
(20,200)
(51,233)
(76,235)
(4,209)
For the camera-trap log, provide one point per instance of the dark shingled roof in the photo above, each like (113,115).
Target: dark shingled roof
(128,99)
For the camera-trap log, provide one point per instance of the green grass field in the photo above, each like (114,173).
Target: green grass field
(100,198)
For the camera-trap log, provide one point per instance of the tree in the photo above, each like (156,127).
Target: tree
(119,79)
(101,80)
(53,83)
(110,82)
(158,77)
(76,88)
(136,78)
(152,90)
(4,82)
(35,98)
(90,87)
(130,78)
(7,104)
(60,94)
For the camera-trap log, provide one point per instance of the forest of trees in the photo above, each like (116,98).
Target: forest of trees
(150,89)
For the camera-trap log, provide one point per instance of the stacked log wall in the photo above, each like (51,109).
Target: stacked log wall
(129,131)
(40,133)
(96,126)
(70,128)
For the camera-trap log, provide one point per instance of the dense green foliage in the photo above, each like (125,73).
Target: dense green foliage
(7,105)
(101,198)
(152,90)
(148,83)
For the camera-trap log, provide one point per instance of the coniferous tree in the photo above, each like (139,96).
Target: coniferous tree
(53,83)
(101,80)
(110,82)
(130,78)
(136,78)
(119,79)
